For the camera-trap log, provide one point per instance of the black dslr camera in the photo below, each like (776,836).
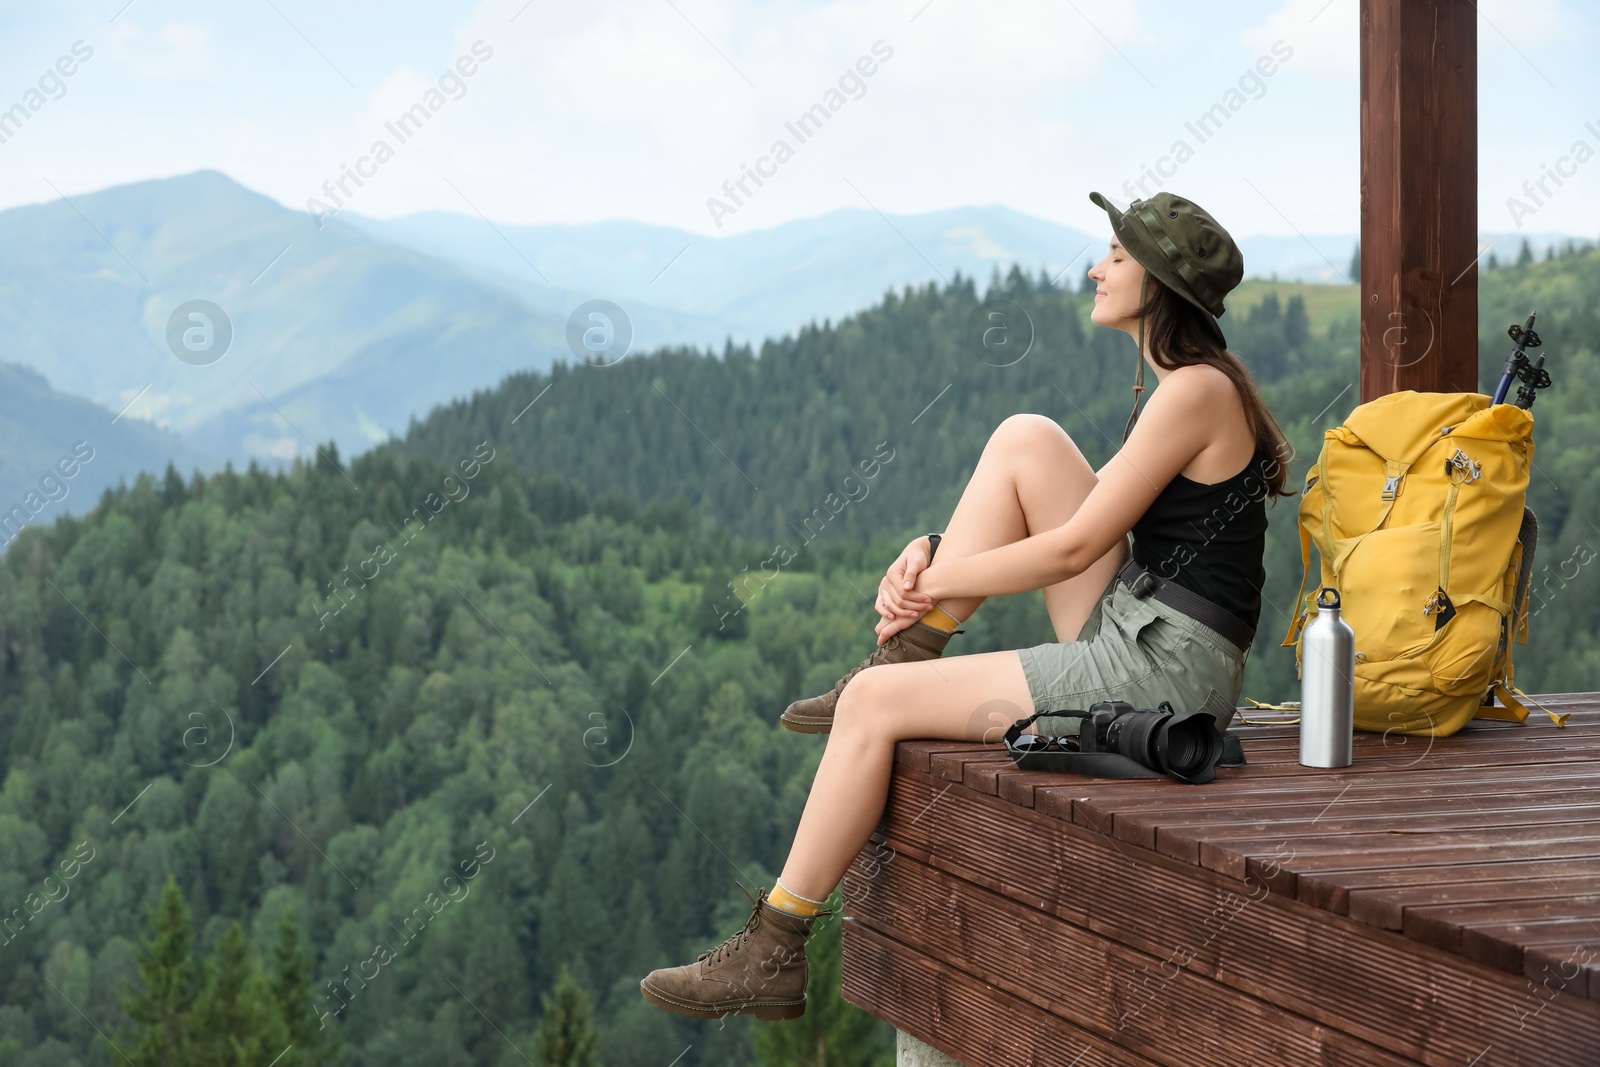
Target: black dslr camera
(1185,745)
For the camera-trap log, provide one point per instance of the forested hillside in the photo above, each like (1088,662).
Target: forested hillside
(502,699)
(518,743)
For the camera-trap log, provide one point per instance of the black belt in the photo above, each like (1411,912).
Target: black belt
(1145,583)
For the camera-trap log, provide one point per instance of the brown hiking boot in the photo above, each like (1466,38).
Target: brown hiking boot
(814,715)
(760,971)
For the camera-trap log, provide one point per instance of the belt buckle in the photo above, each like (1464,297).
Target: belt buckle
(1144,585)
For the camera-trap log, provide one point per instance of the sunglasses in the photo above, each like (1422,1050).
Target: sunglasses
(1039,743)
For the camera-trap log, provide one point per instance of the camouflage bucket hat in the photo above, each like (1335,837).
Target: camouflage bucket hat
(1183,247)
(1186,249)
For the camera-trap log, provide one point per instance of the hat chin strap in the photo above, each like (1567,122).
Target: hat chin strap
(1138,375)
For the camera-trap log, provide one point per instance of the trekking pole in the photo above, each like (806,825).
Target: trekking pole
(1533,375)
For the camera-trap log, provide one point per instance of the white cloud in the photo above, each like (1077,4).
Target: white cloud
(625,111)
(1524,24)
(655,105)
(1325,36)
(174,52)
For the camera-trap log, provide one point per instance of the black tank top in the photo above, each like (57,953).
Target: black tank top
(1210,538)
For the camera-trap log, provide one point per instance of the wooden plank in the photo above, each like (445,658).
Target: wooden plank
(1285,739)
(1444,925)
(1501,944)
(1252,857)
(1385,908)
(1380,849)
(1562,968)
(1531,753)
(1567,762)
(1415,812)
(1371,749)
(1077,804)
(916,754)
(1300,803)
(1334,889)
(1256,781)
(1426,829)
(1138,1000)
(1084,798)
(951,765)
(1139,899)
(960,1016)
(985,777)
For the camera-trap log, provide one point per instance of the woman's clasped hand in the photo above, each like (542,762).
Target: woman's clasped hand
(898,600)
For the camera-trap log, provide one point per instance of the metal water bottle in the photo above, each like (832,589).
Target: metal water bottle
(1327,686)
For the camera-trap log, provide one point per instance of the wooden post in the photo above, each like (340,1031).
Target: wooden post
(1419,189)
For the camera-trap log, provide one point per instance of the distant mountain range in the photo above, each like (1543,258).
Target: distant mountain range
(58,453)
(767,283)
(348,331)
(334,334)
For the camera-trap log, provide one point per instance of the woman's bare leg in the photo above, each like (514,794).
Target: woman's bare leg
(964,698)
(1030,478)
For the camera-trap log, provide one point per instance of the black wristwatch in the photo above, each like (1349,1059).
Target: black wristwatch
(933,545)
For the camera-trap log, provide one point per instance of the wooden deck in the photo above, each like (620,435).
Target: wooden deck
(1437,902)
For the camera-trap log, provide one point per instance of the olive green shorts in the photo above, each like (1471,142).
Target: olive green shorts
(1138,650)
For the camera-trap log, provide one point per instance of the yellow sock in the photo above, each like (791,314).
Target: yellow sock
(939,619)
(782,898)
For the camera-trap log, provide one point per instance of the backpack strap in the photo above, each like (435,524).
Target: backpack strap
(1473,598)
(1299,618)
(1514,710)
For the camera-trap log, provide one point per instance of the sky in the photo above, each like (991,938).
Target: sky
(652,110)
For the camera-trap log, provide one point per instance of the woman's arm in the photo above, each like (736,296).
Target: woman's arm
(1178,421)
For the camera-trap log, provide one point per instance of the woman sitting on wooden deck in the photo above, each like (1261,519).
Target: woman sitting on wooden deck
(1176,519)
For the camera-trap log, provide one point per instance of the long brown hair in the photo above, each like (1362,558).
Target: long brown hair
(1178,337)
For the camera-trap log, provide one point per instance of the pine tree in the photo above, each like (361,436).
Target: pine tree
(566,1035)
(264,1036)
(1525,255)
(214,1023)
(226,1012)
(235,1019)
(1355,263)
(160,1012)
(1017,284)
(314,1045)
(1296,323)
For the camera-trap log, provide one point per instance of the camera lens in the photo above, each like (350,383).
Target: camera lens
(1133,734)
(1189,745)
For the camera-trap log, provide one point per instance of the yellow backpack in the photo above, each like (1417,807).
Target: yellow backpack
(1416,505)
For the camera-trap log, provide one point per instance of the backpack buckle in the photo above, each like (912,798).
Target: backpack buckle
(1463,468)
(1391,487)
